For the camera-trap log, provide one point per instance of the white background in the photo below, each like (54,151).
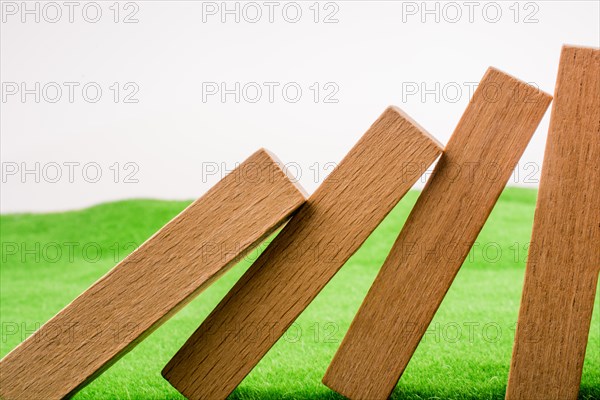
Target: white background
(375,55)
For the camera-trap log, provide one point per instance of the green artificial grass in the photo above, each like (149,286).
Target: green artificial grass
(464,355)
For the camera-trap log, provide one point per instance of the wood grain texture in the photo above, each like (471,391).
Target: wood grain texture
(302,259)
(148,286)
(564,260)
(456,201)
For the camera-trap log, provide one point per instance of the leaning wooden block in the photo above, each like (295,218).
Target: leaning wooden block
(564,260)
(305,255)
(147,287)
(436,238)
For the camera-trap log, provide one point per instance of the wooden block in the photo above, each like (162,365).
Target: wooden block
(152,283)
(307,253)
(563,265)
(436,238)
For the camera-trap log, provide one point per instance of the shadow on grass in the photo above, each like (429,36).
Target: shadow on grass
(400,393)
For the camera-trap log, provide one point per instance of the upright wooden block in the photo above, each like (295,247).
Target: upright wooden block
(307,253)
(563,265)
(148,286)
(436,238)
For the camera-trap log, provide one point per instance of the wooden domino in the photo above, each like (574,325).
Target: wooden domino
(449,214)
(148,286)
(306,254)
(564,260)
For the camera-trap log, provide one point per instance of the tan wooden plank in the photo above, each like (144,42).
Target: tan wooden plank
(147,287)
(449,214)
(307,253)
(563,265)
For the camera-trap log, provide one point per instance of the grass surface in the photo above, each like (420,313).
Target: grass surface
(464,355)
